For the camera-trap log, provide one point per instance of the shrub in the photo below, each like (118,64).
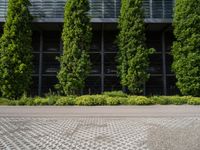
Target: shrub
(166,100)
(76,36)
(41,101)
(186,48)
(15,50)
(115,94)
(140,100)
(24,100)
(52,99)
(91,100)
(4,101)
(178,100)
(194,101)
(69,100)
(162,100)
(133,56)
(116,100)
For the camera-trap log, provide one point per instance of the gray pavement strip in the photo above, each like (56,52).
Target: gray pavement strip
(65,128)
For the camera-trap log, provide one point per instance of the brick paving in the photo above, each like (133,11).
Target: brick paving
(100,128)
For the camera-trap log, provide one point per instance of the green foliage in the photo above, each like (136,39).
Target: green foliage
(41,101)
(140,100)
(99,100)
(52,99)
(162,100)
(115,94)
(194,101)
(166,100)
(186,48)
(24,100)
(76,36)
(116,100)
(15,50)
(4,101)
(133,56)
(69,100)
(91,100)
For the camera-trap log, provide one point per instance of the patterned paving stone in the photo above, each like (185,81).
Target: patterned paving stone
(100,128)
(99,133)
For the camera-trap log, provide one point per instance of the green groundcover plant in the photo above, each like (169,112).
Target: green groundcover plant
(107,98)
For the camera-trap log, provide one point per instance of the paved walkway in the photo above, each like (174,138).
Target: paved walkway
(100,128)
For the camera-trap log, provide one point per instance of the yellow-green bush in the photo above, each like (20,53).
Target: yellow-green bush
(116,100)
(69,100)
(194,101)
(140,100)
(41,101)
(5,102)
(115,94)
(24,100)
(91,100)
(166,100)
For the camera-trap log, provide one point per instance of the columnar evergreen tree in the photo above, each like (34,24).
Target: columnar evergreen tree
(15,50)
(76,36)
(133,57)
(186,48)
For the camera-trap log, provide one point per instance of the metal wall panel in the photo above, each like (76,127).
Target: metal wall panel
(99,8)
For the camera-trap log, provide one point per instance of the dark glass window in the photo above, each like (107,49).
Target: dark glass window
(34,86)
(110,66)
(154,40)
(110,41)
(48,84)
(169,38)
(36,41)
(36,61)
(169,61)
(96,42)
(51,42)
(96,63)
(50,63)
(154,85)
(156,64)
(112,83)
(92,85)
(171,86)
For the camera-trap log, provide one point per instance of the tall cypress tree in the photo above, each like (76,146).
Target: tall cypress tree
(186,48)
(15,50)
(76,36)
(133,57)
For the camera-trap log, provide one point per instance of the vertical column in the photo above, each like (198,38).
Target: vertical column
(164,64)
(40,64)
(102,58)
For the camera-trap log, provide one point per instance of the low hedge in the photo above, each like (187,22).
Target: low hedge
(107,98)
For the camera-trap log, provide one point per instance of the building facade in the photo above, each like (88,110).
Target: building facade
(47,44)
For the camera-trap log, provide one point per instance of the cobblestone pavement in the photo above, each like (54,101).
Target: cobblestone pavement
(100,128)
